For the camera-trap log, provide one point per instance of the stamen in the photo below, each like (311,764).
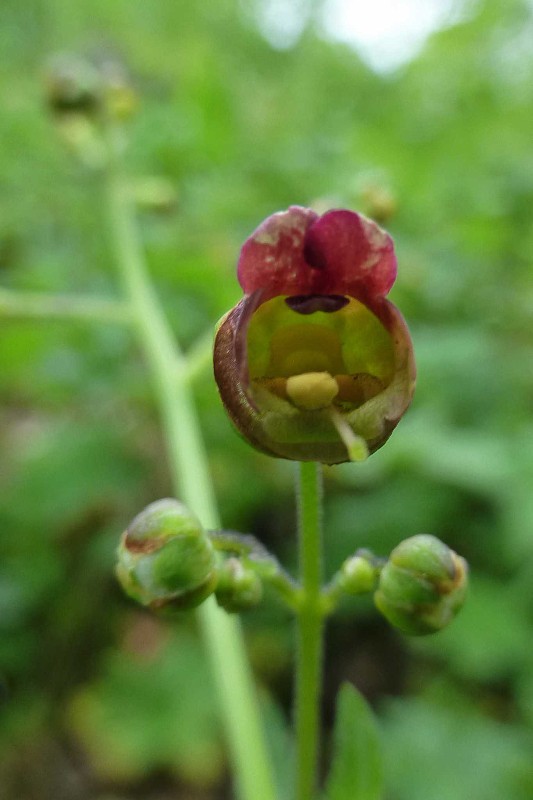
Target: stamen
(355,445)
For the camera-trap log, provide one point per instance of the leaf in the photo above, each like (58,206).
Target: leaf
(151,709)
(356,772)
(280,744)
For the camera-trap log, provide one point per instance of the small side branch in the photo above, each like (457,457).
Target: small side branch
(32,305)
(249,550)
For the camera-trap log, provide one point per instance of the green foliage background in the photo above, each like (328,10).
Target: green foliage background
(101,701)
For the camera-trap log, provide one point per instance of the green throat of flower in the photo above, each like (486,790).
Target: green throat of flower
(319,363)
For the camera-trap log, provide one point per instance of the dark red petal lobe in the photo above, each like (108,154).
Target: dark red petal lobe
(272,258)
(351,255)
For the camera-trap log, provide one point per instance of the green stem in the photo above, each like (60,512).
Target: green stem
(310,624)
(192,484)
(31,305)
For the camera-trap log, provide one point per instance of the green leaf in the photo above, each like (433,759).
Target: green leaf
(280,744)
(356,772)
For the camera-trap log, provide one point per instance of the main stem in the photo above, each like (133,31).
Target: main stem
(192,484)
(310,623)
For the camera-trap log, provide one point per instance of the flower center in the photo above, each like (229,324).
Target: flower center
(312,390)
(339,354)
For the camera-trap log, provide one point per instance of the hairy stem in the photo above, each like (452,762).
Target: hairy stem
(192,484)
(309,623)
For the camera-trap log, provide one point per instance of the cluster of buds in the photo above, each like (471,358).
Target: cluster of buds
(89,87)
(419,589)
(167,561)
(84,94)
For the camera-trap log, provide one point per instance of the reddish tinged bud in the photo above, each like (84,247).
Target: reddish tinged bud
(166,559)
(314,364)
(422,586)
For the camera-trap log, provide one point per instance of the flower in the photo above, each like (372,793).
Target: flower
(314,364)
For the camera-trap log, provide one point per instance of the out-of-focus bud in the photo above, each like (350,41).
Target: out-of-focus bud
(155,194)
(359,574)
(378,201)
(120,96)
(166,559)
(81,137)
(72,86)
(239,587)
(93,88)
(422,586)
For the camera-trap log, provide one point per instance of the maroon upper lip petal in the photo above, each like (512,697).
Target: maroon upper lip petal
(296,252)
(272,257)
(352,252)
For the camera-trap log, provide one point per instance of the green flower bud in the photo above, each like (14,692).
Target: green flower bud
(239,587)
(89,87)
(72,86)
(422,586)
(378,201)
(166,559)
(156,195)
(359,573)
(119,95)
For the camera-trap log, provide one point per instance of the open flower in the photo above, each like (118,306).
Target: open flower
(314,364)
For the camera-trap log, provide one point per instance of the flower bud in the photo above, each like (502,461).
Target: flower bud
(166,559)
(119,95)
(422,586)
(89,87)
(72,86)
(359,573)
(239,587)
(156,195)
(378,201)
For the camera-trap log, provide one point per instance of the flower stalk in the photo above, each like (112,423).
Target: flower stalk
(309,628)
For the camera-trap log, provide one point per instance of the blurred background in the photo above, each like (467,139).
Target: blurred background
(421,116)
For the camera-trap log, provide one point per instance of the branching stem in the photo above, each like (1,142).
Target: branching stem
(192,484)
(36,305)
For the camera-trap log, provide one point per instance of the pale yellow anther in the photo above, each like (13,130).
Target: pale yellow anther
(312,390)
